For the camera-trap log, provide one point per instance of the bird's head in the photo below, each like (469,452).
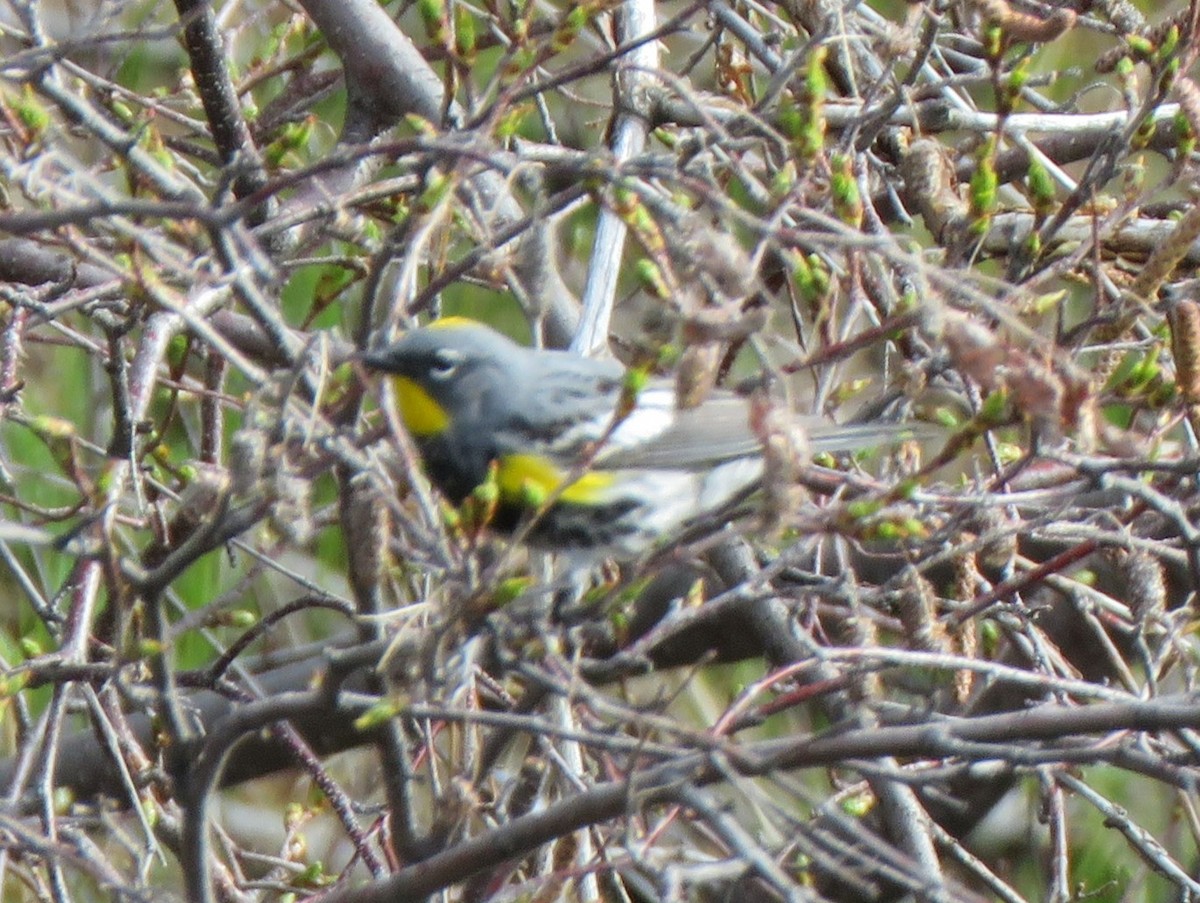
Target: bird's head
(449,369)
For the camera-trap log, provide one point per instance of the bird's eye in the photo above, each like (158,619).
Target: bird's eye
(444,363)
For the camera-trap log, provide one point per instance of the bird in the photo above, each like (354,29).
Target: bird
(583,463)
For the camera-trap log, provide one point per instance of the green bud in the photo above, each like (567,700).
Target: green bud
(1041,187)
(985,183)
(438,186)
(636,379)
(510,123)
(1139,45)
(651,277)
(1170,43)
(433,15)
(30,112)
(847,202)
(858,805)
(380,713)
(860,509)
(465,34)
(510,589)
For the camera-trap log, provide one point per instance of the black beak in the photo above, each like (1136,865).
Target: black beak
(376,359)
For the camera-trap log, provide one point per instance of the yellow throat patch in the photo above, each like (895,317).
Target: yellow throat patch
(422,415)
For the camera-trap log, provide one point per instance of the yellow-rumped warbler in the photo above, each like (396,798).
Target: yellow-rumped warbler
(616,481)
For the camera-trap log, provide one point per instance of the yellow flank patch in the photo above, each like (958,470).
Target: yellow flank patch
(422,415)
(522,477)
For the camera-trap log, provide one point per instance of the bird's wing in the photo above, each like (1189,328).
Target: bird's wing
(656,434)
(561,412)
(567,414)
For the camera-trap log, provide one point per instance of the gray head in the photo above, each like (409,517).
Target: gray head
(455,383)
(460,365)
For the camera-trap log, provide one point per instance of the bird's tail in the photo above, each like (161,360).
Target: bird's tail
(825,436)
